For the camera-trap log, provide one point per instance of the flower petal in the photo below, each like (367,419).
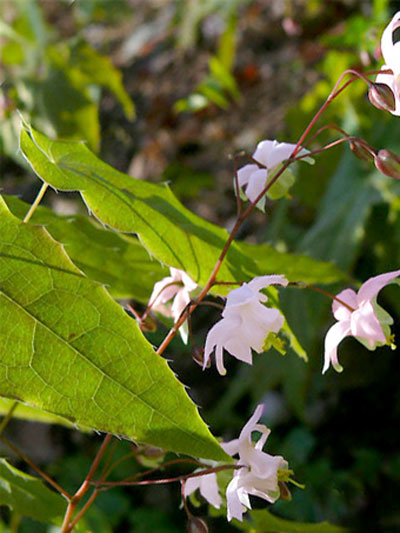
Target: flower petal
(371,287)
(365,324)
(335,335)
(340,311)
(181,300)
(261,282)
(231,447)
(191,484)
(257,182)
(209,489)
(235,507)
(391,50)
(280,153)
(244,174)
(263,151)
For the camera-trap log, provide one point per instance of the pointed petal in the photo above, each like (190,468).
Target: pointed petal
(239,297)
(181,300)
(365,324)
(260,282)
(191,484)
(256,184)
(244,174)
(335,335)
(188,283)
(235,508)
(390,51)
(263,150)
(251,423)
(209,489)
(371,287)
(219,361)
(239,349)
(341,312)
(280,153)
(163,291)
(231,447)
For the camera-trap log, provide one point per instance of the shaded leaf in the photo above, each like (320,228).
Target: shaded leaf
(265,522)
(29,496)
(116,260)
(69,349)
(97,69)
(26,412)
(338,230)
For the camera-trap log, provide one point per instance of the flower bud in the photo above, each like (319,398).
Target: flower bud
(197,525)
(388,163)
(381,96)
(361,151)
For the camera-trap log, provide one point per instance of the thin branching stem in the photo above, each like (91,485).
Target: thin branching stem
(8,417)
(36,468)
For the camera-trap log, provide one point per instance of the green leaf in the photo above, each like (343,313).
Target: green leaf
(26,412)
(296,267)
(339,228)
(67,106)
(265,522)
(98,70)
(169,231)
(29,496)
(118,261)
(69,349)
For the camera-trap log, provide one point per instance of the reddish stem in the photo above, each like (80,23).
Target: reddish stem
(106,485)
(76,498)
(36,468)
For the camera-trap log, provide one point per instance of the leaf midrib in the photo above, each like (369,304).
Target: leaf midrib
(84,357)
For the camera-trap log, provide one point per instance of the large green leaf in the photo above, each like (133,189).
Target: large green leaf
(169,231)
(26,412)
(118,261)
(68,348)
(29,496)
(265,522)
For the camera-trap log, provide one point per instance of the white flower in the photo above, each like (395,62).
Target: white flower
(391,54)
(259,475)
(178,286)
(208,486)
(246,323)
(360,317)
(270,154)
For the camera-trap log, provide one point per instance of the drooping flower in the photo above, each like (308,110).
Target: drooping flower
(390,46)
(259,473)
(246,323)
(269,154)
(178,286)
(359,316)
(208,486)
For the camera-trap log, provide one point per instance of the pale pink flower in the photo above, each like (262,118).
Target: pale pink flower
(208,486)
(391,55)
(361,318)
(270,154)
(259,475)
(246,323)
(177,286)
